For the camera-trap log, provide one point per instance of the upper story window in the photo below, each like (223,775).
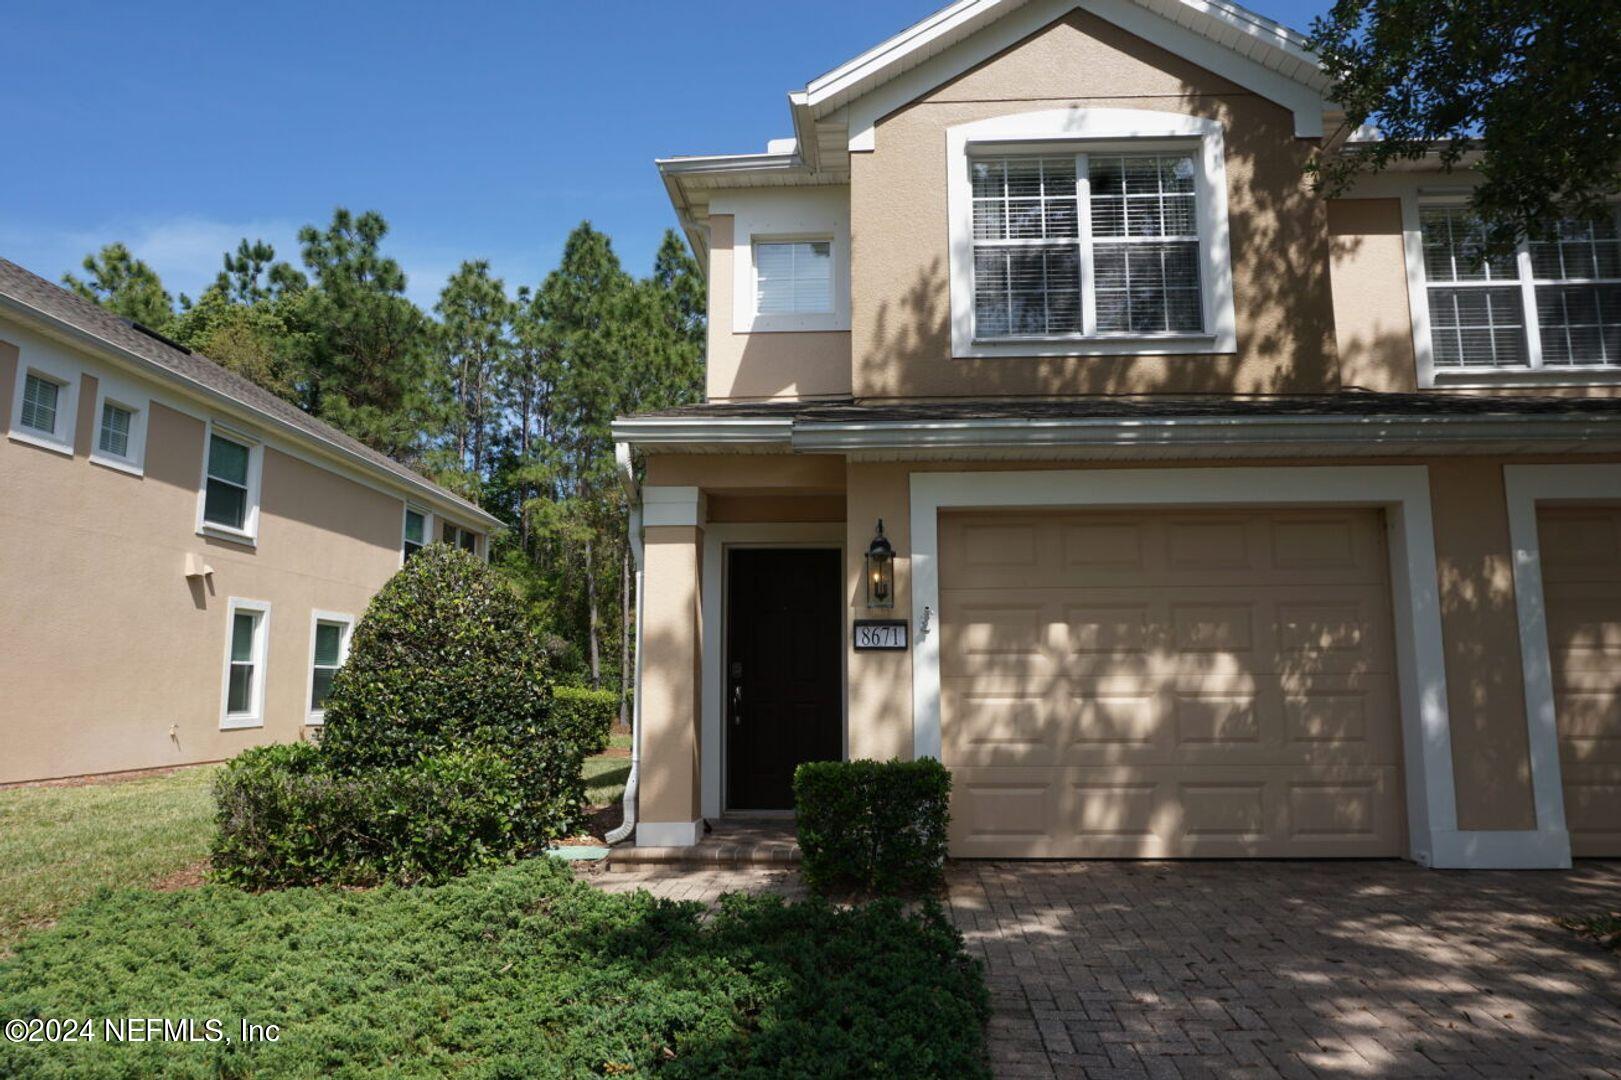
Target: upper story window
(462,538)
(1085,244)
(793,277)
(1552,304)
(40,397)
(1078,232)
(416,532)
(115,430)
(44,403)
(230,495)
(121,413)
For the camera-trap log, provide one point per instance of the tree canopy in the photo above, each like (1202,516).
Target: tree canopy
(1532,86)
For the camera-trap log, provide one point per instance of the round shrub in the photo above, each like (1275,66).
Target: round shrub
(445,660)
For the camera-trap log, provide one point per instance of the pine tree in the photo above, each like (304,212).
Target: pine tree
(476,314)
(124,284)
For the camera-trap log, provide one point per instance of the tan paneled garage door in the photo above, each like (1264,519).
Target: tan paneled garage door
(1581,577)
(1162,684)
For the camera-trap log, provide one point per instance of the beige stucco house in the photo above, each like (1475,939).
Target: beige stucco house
(1227,520)
(182,555)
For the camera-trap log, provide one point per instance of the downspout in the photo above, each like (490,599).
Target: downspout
(627,479)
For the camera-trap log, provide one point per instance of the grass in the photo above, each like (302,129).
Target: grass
(59,844)
(521,971)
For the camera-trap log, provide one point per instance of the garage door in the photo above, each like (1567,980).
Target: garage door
(1169,684)
(1581,576)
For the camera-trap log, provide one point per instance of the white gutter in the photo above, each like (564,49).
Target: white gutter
(627,479)
(425,490)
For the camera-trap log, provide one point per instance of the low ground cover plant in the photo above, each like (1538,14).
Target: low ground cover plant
(518,971)
(444,747)
(879,826)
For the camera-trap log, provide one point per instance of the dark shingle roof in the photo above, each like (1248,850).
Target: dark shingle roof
(30,291)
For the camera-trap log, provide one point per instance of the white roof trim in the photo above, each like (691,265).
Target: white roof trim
(1197,436)
(1246,49)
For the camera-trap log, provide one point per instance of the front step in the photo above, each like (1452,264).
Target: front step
(728,844)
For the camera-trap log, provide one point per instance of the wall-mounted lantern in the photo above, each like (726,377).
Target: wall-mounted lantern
(880,570)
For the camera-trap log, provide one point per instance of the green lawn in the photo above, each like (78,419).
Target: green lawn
(58,845)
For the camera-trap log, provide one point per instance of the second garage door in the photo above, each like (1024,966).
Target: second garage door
(1169,684)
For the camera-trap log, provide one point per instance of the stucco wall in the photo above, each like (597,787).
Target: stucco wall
(1373,328)
(900,309)
(110,657)
(745,367)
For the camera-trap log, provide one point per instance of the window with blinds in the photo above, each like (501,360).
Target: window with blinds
(1081,244)
(39,404)
(793,277)
(225,499)
(1554,302)
(115,424)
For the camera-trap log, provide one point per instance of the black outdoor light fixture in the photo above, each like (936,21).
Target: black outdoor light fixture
(880,570)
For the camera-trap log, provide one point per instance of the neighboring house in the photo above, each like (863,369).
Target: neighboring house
(183,555)
(1226,520)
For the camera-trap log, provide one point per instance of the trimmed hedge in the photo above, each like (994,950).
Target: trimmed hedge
(284,817)
(444,749)
(879,826)
(588,714)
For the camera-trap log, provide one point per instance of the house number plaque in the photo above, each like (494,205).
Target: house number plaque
(878,635)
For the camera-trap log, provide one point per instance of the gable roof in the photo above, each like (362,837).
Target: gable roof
(33,299)
(836,113)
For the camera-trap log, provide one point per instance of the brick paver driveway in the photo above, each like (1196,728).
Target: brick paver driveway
(1112,969)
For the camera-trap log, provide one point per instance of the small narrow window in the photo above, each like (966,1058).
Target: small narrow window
(416,531)
(115,424)
(244,664)
(40,398)
(226,500)
(793,278)
(329,650)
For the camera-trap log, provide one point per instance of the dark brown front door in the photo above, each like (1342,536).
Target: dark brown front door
(784,684)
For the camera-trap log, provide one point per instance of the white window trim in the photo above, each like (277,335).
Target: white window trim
(1418,301)
(249,533)
(1524,487)
(261,669)
(67,378)
(818,214)
(111,391)
(427,526)
(1080,130)
(1402,490)
(794,320)
(317,717)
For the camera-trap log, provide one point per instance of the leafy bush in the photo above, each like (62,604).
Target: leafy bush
(447,660)
(284,817)
(587,715)
(520,971)
(874,825)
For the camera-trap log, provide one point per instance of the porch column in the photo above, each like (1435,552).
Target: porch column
(668,811)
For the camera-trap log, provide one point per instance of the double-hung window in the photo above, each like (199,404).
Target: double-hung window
(247,630)
(416,532)
(228,484)
(1553,304)
(40,399)
(329,648)
(115,430)
(1087,244)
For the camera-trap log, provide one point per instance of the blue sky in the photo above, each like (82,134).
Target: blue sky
(480,130)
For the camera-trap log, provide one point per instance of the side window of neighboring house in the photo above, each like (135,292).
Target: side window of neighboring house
(231,485)
(1553,303)
(462,538)
(416,532)
(44,405)
(793,277)
(329,649)
(246,649)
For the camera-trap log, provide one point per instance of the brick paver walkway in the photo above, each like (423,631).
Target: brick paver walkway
(1115,969)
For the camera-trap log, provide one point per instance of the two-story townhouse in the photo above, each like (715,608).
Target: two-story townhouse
(183,555)
(1058,430)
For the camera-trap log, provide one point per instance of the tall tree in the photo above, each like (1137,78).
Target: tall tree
(252,274)
(367,358)
(120,282)
(1535,85)
(475,314)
